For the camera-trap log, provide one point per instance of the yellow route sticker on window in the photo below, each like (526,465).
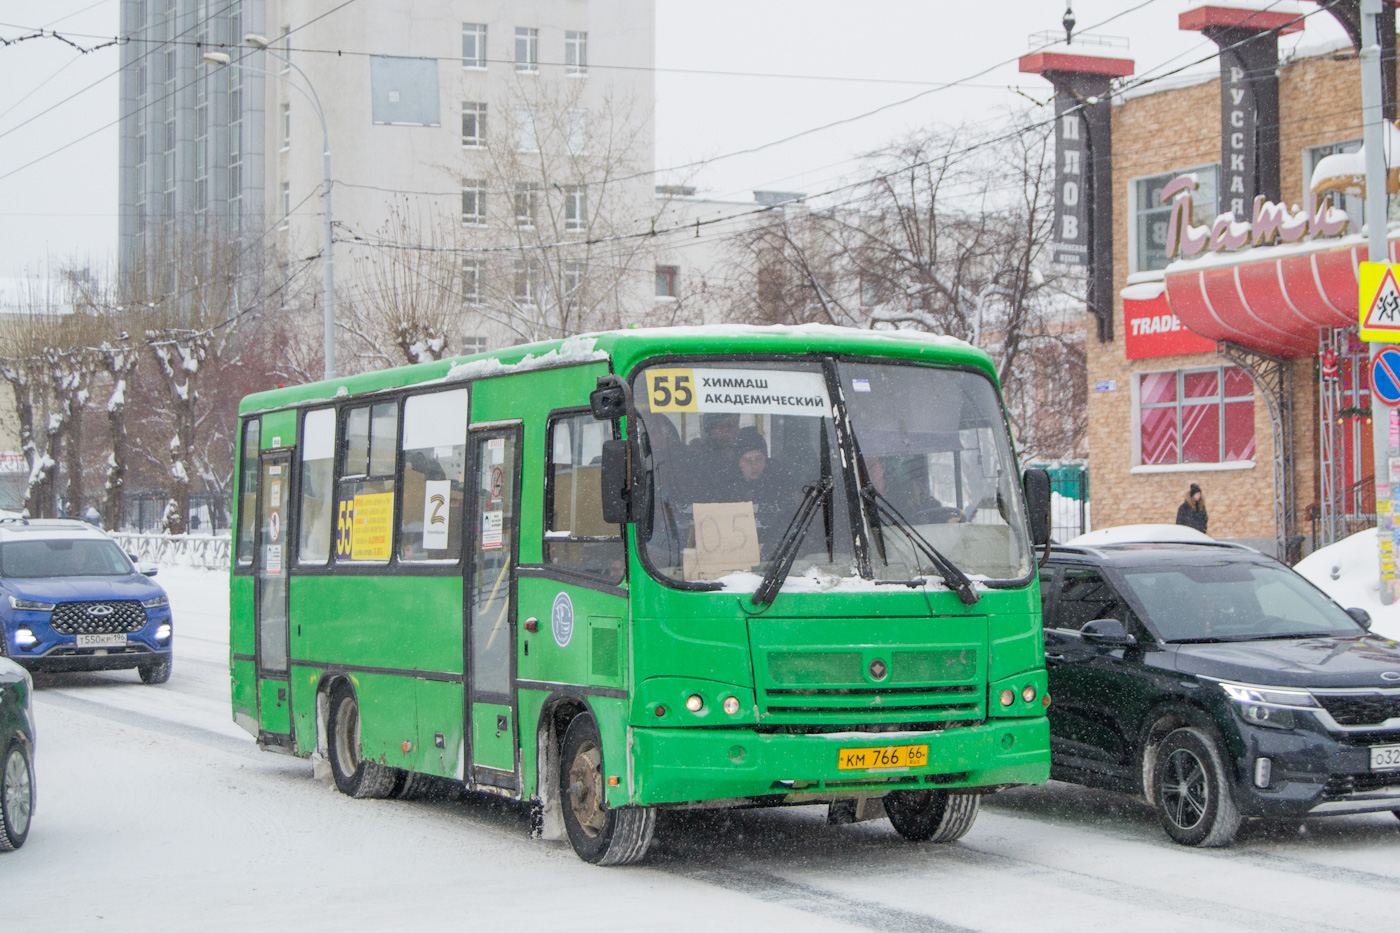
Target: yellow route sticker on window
(372,530)
(740,391)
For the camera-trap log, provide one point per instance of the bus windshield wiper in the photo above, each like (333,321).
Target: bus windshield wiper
(786,551)
(949,571)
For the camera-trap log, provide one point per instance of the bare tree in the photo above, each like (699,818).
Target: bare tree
(187,303)
(406,308)
(950,235)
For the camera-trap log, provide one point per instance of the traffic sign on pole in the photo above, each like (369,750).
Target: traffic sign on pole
(1385,376)
(1380,303)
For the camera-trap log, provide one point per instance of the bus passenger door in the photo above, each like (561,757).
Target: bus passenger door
(490,608)
(270,604)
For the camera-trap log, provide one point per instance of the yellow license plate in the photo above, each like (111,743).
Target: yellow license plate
(892,756)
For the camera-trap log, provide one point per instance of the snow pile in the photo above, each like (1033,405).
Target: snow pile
(572,350)
(1350,572)
(1064,512)
(1138,534)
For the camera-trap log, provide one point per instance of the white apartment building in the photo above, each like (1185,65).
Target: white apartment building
(460,125)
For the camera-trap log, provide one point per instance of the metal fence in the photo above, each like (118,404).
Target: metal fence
(210,552)
(209,513)
(1069,499)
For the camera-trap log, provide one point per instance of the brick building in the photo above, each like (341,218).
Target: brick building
(1209,370)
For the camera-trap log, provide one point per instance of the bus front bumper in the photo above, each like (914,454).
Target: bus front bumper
(694,766)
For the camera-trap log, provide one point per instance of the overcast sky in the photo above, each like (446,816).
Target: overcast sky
(836,59)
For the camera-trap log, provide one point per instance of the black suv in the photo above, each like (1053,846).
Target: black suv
(1219,684)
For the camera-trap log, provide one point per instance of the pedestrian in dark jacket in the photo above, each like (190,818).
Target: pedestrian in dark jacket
(1192,512)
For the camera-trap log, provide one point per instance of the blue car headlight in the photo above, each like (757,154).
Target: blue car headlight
(33,605)
(155,602)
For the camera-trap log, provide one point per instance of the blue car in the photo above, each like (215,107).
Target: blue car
(16,754)
(70,600)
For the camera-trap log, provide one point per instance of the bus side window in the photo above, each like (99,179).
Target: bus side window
(434,476)
(576,537)
(248,492)
(364,494)
(317,460)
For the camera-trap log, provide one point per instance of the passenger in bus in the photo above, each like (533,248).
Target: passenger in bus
(907,496)
(713,459)
(766,485)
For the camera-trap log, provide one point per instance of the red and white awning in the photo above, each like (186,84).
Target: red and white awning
(1272,299)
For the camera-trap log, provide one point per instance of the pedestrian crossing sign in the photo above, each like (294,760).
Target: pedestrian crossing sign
(1380,303)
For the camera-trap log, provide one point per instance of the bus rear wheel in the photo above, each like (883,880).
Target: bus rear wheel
(354,776)
(599,834)
(931,815)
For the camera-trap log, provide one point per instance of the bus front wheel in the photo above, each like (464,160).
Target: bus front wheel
(931,815)
(599,834)
(354,776)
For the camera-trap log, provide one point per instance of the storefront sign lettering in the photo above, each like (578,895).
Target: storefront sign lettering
(1071,242)
(1271,223)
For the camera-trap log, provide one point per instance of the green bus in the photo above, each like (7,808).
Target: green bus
(645,569)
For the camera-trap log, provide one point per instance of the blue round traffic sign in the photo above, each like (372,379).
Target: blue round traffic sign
(1385,376)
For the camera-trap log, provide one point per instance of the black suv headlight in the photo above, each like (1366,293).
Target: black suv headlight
(1268,706)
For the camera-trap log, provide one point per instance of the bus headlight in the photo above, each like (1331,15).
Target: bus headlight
(695,703)
(731,705)
(1008,696)
(1028,692)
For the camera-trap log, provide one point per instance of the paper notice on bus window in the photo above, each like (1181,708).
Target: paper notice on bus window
(371,533)
(743,391)
(437,498)
(497,448)
(726,538)
(491,525)
(273,565)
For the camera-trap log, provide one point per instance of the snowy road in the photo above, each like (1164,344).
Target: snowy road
(155,812)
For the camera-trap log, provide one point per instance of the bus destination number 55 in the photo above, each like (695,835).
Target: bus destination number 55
(671,390)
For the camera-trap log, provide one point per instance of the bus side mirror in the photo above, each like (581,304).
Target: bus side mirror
(609,401)
(1037,486)
(616,492)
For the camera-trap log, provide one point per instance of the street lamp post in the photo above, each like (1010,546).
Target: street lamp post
(256,41)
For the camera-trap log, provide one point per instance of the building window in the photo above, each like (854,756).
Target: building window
(526,282)
(576,208)
(523,130)
(667,278)
(527,198)
(285,65)
(473,344)
(286,126)
(575,53)
(574,270)
(576,537)
(286,204)
(474,202)
(473,45)
(869,291)
(576,130)
(471,281)
(1196,416)
(1151,215)
(1353,204)
(473,125)
(527,50)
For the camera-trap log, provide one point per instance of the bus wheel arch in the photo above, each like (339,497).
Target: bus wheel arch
(598,833)
(354,775)
(555,715)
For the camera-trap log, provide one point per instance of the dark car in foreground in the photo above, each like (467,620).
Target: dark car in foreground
(70,600)
(16,754)
(1219,684)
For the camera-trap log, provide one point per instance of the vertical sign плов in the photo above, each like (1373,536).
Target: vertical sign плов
(1071,245)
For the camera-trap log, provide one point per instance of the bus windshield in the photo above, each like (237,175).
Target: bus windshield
(733,449)
(934,447)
